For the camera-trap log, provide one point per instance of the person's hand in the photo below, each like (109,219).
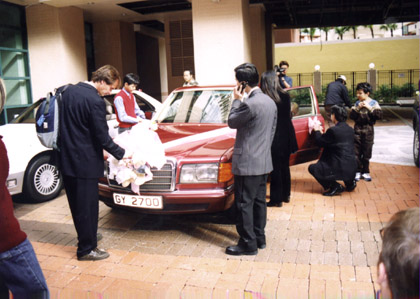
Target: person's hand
(318,127)
(238,92)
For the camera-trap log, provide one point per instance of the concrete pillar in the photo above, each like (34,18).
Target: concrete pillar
(57,51)
(258,36)
(317,82)
(372,77)
(115,44)
(222,39)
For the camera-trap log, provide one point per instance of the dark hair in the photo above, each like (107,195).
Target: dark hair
(283,62)
(400,253)
(365,87)
(339,112)
(247,72)
(131,78)
(270,85)
(106,73)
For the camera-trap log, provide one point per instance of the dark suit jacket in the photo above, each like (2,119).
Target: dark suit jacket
(337,94)
(338,161)
(284,142)
(255,119)
(84,133)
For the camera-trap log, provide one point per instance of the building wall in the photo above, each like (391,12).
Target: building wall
(115,44)
(387,54)
(222,39)
(148,64)
(286,36)
(57,53)
(258,36)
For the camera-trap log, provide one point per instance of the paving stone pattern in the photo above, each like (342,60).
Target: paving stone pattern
(317,247)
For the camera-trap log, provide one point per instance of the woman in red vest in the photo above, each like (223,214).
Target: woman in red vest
(128,112)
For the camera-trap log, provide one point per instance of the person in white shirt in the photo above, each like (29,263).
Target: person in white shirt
(127,110)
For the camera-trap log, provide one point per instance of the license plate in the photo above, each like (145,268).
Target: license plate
(138,201)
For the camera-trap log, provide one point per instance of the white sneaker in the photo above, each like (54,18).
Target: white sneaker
(366,177)
(357,177)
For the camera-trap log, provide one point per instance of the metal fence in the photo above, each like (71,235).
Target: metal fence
(390,85)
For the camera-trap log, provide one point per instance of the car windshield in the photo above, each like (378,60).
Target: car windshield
(197,106)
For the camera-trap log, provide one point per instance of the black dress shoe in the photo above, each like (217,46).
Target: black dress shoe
(274,204)
(287,200)
(239,250)
(334,191)
(351,187)
(95,255)
(261,245)
(99,237)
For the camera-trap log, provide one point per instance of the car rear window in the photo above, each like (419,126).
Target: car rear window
(197,106)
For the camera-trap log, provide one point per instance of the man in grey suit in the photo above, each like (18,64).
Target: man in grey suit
(254,115)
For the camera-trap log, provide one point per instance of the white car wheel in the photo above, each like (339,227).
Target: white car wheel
(42,180)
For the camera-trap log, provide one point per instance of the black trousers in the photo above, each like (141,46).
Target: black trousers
(326,183)
(251,209)
(363,144)
(280,183)
(83,198)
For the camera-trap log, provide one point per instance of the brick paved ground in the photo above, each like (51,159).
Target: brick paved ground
(317,247)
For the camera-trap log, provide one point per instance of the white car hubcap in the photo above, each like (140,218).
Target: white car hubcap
(46,179)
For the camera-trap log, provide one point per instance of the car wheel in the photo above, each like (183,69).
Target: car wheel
(42,180)
(416,146)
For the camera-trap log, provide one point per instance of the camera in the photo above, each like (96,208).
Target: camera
(279,70)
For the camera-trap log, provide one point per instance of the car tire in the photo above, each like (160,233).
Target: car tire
(416,146)
(42,180)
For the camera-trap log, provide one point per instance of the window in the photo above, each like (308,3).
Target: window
(302,102)
(14,64)
(181,46)
(198,106)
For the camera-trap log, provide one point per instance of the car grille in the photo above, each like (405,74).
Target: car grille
(163,179)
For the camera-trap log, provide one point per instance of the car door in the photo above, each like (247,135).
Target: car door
(304,105)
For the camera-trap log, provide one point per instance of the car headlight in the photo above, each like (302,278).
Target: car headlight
(199,173)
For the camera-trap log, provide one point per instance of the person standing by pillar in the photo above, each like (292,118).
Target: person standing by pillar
(254,116)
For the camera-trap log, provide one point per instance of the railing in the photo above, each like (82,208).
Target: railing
(390,85)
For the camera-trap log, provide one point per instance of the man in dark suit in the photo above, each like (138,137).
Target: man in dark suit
(254,116)
(83,137)
(338,161)
(337,94)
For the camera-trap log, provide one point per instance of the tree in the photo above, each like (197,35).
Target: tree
(390,27)
(354,28)
(371,30)
(326,30)
(341,30)
(310,32)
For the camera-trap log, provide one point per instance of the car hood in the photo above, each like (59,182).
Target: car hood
(22,144)
(200,142)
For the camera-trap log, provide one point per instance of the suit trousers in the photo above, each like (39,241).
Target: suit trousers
(363,144)
(325,183)
(83,198)
(280,183)
(251,209)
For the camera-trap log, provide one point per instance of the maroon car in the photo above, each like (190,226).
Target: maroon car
(197,177)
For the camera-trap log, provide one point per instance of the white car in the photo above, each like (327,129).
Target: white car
(32,171)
